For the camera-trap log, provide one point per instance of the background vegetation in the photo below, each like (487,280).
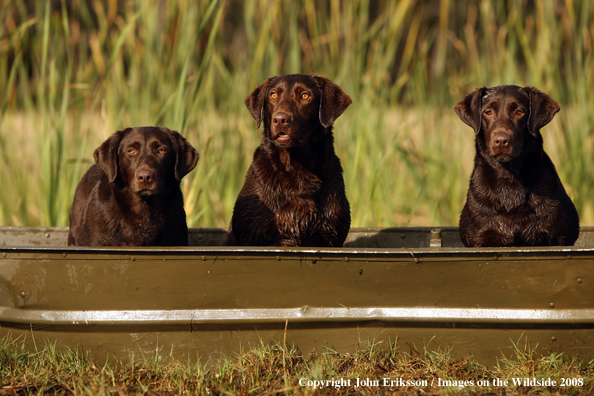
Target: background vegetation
(73,72)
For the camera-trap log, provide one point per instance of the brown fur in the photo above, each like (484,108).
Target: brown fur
(294,191)
(515,196)
(131,196)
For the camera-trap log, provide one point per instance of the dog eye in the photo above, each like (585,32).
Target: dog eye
(132,150)
(489,112)
(519,113)
(274,95)
(160,150)
(304,96)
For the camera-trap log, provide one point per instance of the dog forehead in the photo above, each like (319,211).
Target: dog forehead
(292,82)
(145,136)
(505,95)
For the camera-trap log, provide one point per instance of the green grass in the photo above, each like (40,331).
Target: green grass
(278,369)
(69,77)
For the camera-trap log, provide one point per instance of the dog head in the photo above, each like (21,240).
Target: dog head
(507,119)
(146,159)
(294,107)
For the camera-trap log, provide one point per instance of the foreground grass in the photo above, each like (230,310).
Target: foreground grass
(273,369)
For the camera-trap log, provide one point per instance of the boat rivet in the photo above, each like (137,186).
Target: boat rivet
(361,271)
(64,255)
(23,294)
(552,305)
(133,258)
(346,259)
(579,280)
(203,258)
(417,260)
(553,338)
(4,255)
(495,257)
(569,256)
(47,234)
(313,261)
(402,236)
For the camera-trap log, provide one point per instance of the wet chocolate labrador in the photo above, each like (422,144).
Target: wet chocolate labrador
(132,195)
(515,197)
(294,193)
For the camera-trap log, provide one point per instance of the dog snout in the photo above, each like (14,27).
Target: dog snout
(501,140)
(145,177)
(281,119)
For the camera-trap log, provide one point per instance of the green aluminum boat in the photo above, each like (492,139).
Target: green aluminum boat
(414,287)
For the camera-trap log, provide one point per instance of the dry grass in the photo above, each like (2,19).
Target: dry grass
(274,369)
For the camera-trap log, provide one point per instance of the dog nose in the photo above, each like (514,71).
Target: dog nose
(501,140)
(145,176)
(281,118)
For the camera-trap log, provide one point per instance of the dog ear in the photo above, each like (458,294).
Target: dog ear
(106,155)
(542,109)
(186,156)
(333,101)
(469,109)
(256,101)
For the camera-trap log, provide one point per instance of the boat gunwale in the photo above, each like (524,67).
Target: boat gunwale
(301,251)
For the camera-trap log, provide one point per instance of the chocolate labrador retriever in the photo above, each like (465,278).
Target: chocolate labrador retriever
(131,196)
(294,192)
(515,196)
